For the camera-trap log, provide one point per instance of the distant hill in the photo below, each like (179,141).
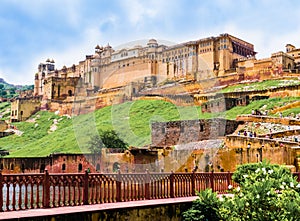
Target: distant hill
(9,90)
(2,81)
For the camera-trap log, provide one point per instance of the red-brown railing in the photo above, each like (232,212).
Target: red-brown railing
(44,190)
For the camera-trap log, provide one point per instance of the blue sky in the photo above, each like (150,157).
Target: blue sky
(67,30)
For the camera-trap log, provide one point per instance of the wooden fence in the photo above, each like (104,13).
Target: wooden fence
(44,190)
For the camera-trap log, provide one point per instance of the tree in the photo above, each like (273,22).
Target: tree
(108,139)
(3,93)
(95,144)
(265,192)
(111,139)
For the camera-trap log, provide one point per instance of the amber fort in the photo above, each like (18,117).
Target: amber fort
(188,73)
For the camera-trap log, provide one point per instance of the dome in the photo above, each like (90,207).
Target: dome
(152,41)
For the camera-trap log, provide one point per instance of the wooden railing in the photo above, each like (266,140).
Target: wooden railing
(44,190)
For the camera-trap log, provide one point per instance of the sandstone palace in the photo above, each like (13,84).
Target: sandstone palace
(113,76)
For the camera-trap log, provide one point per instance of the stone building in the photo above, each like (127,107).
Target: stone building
(150,64)
(220,104)
(294,52)
(23,108)
(177,132)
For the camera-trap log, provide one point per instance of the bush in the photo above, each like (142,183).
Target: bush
(265,192)
(204,208)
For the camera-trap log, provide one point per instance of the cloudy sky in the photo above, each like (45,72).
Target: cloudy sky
(67,30)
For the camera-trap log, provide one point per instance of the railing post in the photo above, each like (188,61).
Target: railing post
(172,194)
(193,183)
(228,180)
(147,185)
(118,197)
(212,181)
(86,188)
(1,192)
(46,190)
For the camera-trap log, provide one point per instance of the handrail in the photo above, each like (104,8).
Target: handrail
(44,190)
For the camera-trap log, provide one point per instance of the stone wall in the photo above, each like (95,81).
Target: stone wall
(23,108)
(178,132)
(268,119)
(223,104)
(248,150)
(136,160)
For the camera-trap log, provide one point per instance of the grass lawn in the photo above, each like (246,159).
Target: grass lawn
(131,120)
(260,85)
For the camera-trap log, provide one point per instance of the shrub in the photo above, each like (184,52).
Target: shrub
(206,207)
(265,192)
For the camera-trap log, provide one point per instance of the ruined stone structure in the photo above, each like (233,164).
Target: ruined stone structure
(221,103)
(23,108)
(177,132)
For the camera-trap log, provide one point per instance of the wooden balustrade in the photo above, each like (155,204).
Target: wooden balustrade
(44,190)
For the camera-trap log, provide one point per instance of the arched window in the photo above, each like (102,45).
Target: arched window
(63,167)
(42,168)
(98,167)
(69,92)
(116,167)
(23,167)
(12,166)
(79,167)
(1,166)
(58,90)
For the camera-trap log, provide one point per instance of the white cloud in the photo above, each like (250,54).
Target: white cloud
(69,10)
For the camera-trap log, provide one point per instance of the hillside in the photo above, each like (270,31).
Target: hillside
(9,90)
(47,133)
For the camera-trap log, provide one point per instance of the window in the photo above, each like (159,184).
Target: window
(63,167)
(116,167)
(98,167)
(79,167)
(201,127)
(42,168)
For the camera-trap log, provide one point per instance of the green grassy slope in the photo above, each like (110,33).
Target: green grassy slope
(4,110)
(132,121)
(261,85)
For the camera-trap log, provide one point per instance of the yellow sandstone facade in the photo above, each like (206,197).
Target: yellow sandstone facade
(153,63)
(115,75)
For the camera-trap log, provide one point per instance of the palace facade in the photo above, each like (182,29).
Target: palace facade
(114,76)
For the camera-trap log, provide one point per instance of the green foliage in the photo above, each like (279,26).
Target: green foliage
(130,120)
(265,192)
(106,139)
(9,90)
(262,85)
(254,172)
(206,207)
(95,144)
(262,105)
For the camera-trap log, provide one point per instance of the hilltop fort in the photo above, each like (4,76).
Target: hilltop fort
(113,76)
(189,73)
